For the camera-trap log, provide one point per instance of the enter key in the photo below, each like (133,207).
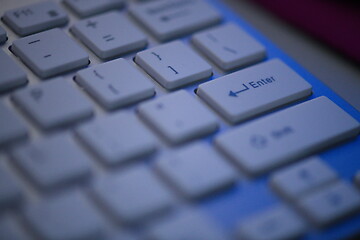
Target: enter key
(254,90)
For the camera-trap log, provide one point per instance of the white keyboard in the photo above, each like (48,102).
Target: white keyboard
(163,120)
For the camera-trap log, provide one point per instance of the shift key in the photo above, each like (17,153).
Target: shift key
(288,135)
(254,90)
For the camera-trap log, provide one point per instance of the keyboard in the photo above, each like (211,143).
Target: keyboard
(166,120)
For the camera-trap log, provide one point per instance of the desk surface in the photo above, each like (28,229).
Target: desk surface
(340,74)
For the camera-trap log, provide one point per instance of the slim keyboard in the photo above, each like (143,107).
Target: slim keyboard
(166,120)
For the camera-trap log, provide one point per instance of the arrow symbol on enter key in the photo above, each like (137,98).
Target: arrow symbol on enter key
(235,94)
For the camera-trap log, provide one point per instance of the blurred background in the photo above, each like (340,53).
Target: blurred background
(322,35)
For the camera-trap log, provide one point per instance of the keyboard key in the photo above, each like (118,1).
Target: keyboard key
(50,53)
(67,216)
(86,8)
(132,195)
(12,75)
(178,117)
(53,103)
(189,225)
(35,18)
(109,35)
(278,223)
(117,138)
(53,161)
(115,84)
(173,64)
(10,191)
(331,203)
(236,96)
(121,236)
(196,170)
(12,128)
(3,36)
(299,179)
(288,135)
(10,229)
(229,46)
(167,19)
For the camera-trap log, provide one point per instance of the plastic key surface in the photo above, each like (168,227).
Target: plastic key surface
(11,230)
(229,46)
(109,35)
(132,195)
(196,170)
(290,134)
(122,236)
(237,96)
(53,103)
(278,223)
(86,8)
(301,178)
(35,17)
(10,191)
(67,216)
(331,203)
(173,64)
(115,84)
(189,225)
(12,128)
(167,19)
(178,117)
(50,53)
(53,161)
(3,35)
(12,75)
(117,138)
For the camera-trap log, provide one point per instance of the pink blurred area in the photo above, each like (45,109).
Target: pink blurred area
(336,23)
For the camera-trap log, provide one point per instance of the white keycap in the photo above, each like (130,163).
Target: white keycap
(50,52)
(67,216)
(53,161)
(178,117)
(115,84)
(132,195)
(86,8)
(299,179)
(12,128)
(278,223)
(121,236)
(53,103)
(35,17)
(3,35)
(249,92)
(173,64)
(109,35)
(331,203)
(189,225)
(12,75)
(10,191)
(167,19)
(287,135)
(10,229)
(117,138)
(196,170)
(229,46)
